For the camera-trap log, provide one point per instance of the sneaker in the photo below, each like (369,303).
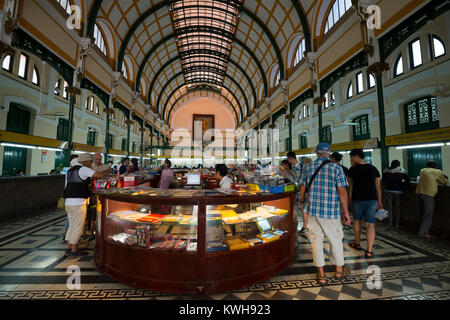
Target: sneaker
(303,230)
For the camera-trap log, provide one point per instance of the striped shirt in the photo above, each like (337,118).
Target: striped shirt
(322,200)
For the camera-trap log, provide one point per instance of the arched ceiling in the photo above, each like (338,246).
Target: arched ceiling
(233,44)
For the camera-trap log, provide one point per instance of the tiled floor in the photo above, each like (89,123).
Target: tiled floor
(33,266)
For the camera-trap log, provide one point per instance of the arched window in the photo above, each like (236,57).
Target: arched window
(65,95)
(35,78)
(65,4)
(124,70)
(58,87)
(340,7)
(437,47)
(7,63)
(370,81)
(300,114)
(23,66)
(359,83)
(300,52)
(277,79)
(398,67)
(415,53)
(350,90)
(143,87)
(332,99)
(99,40)
(260,93)
(306,111)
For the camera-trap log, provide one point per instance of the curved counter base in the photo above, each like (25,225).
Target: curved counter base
(197,272)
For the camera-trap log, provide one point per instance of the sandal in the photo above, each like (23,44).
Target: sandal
(321,280)
(345,272)
(355,245)
(369,254)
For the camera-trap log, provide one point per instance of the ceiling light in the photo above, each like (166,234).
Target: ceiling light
(18,145)
(50,149)
(420,146)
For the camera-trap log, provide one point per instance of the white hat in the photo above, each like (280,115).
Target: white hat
(85,157)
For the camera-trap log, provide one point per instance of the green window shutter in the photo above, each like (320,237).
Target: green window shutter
(304,142)
(18,119)
(109,142)
(62,132)
(91,138)
(421,114)
(326,134)
(361,131)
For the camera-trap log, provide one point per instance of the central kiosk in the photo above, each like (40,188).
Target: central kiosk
(193,241)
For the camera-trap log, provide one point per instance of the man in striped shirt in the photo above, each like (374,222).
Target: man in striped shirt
(323,202)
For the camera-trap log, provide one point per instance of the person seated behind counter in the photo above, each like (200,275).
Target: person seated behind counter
(221,175)
(124,167)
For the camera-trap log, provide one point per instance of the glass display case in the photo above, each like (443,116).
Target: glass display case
(193,241)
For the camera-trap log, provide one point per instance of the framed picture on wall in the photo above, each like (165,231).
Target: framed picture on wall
(200,124)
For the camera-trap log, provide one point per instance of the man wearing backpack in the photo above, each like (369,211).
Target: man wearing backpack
(322,187)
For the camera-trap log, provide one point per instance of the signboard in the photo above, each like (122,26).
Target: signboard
(362,144)
(87,148)
(12,137)
(437,135)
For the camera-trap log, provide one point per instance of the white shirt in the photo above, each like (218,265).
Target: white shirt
(84,173)
(225,183)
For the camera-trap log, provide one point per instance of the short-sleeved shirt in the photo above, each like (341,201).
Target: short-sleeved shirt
(322,200)
(122,169)
(84,174)
(297,171)
(363,177)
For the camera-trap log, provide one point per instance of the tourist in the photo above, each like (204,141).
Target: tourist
(134,168)
(426,191)
(77,193)
(365,193)
(73,160)
(336,158)
(306,161)
(167,175)
(297,168)
(52,172)
(285,171)
(394,179)
(124,167)
(97,165)
(20,173)
(225,182)
(325,192)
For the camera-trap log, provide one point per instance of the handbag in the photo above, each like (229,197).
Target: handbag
(315,175)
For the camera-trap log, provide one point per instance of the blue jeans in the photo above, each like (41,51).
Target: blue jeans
(366,210)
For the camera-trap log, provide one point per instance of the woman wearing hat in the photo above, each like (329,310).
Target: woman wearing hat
(77,194)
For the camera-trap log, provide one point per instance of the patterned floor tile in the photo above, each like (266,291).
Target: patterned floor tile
(32,266)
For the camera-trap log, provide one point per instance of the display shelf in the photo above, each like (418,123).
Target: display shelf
(201,222)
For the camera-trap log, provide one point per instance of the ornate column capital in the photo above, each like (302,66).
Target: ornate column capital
(377,68)
(73,91)
(319,101)
(5,50)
